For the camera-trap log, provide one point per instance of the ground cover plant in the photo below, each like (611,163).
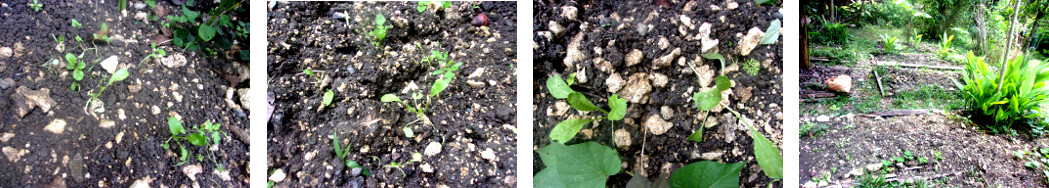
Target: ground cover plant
(428,102)
(614,110)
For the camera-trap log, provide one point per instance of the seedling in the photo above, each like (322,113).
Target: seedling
(328,96)
(422,5)
(419,108)
(945,46)
(157,53)
(102,34)
(309,71)
(78,70)
(380,28)
(907,155)
(890,44)
(567,129)
(206,135)
(36,6)
(916,38)
(416,157)
(752,67)
(119,75)
(341,154)
(75,23)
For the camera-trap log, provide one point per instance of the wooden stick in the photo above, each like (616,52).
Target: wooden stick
(892,113)
(919,66)
(878,78)
(818,95)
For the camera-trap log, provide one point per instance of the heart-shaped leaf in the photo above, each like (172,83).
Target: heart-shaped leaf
(618,108)
(707,174)
(723,83)
(707,100)
(579,102)
(582,165)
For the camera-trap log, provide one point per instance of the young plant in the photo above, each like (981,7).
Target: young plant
(341,154)
(36,6)
(309,71)
(752,67)
(416,157)
(119,75)
(419,108)
(75,23)
(102,34)
(422,5)
(328,96)
(916,39)
(206,135)
(945,46)
(380,29)
(567,129)
(157,53)
(78,70)
(890,44)
(1019,100)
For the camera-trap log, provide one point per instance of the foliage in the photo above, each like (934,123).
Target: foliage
(119,75)
(447,74)
(103,33)
(36,6)
(205,135)
(890,44)
(764,2)
(707,174)
(341,154)
(416,157)
(916,39)
(380,28)
(328,96)
(78,70)
(75,23)
(567,129)
(1020,98)
(812,130)
(832,33)
(217,30)
(752,67)
(157,53)
(945,46)
(422,5)
(581,165)
(771,34)
(309,71)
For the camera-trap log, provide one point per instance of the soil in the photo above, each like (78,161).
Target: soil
(120,145)
(894,79)
(969,157)
(607,31)
(468,120)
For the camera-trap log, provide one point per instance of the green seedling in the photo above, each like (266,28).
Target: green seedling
(309,71)
(119,75)
(567,129)
(890,44)
(416,157)
(898,159)
(78,70)
(36,6)
(328,96)
(945,46)
(205,135)
(916,39)
(419,108)
(422,5)
(907,154)
(339,152)
(75,23)
(151,3)
(380,29)
(752,67)
(938,155)
(923,160)
(103,33)
(157,53)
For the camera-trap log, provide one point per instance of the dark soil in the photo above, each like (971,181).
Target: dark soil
(90,152)
(969,157)
(468,120)
(609,30)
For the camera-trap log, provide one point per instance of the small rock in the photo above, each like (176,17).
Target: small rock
(822,118)
(614,83)
(622,139)
(572,52)
(106,123)
(560,108)
(26,100)
(728,127)
(76,167)
(475,84)
(570,13)
(710,122)
(874,167)
(477,72)
(120,137)
(278,175)
(666,112)
(6,136)
(134,88)
(433,149)
(687,21)
(13,154)
(110,64)
(707,43)
(156,110)
(426,168)
(174,60)
(706,75)
(712,156)
(6,52)
(657,125)
(856,172)
(142,16)
(19,49)
(120,114)
(192,170)
(178,96)
(666,59)
(4,84)
(732,5)
(56,126)
(637,89)
(714,9)
(658,79)
(663,43)
(634,57)
(245,98)
(749,42)
(142,183)
(555,28)
(224,175)
(488,154)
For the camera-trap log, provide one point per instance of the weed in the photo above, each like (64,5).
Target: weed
(78,70)
(916,39)
(75,23)
(907,154)
(341,154)
(206,135)
(447,74)
(938,155)
(890,44)
(945,46)
(380,29)
(422,5)
(151,3)
(119,75)
(187,30)
(752,67)
(416,157)
(309,71)
(157,53)
(103,33)
(872,181)
(328,96)
(567,129)
(812,130)
(36,6)
(923,160)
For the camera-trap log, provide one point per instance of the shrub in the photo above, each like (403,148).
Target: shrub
(832,33)
(945,46)
(890,44)
(1019,99)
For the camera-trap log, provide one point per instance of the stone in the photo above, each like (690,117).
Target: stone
(622,139)
(155,110)
(659,79)
(477,73)
(560,108)
(634,57)
(707,43)
(4,84)
(245,98)
(728,127)
(177,96)
(750,41)
(278,175)
(687,21)
(121,115)
(745,93)
(712,156)
(426,168)
(573,53)
(873,167)
(570,13)
(13,154)
(666,59)
(6,136)
(475,84)
(663,43)
(657,125)
(555,28)
(110,64)
(710,122)
(76,167)
(191,171)
(106,123)
(26,100)
(488,154)
(637,89)
(174,60)
(19,49)
(614,83)
(134,88)
(56,126)
(732,5)
(142,183)
(142,16)
(432,149)
(6,52)
(666,112)
(822,118)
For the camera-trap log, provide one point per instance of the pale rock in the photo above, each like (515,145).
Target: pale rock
(224,175)
(573,53)
(19,50)
(191,171)
(106,123)
(750,41)
(732,5)
(26,99)
(666,59)
(707,44)
(634,57)
(155,110)
(475,84)
(706,75)
(245,98)
(488,154)
(570,13)
(658,79)
(178,96)
(121,115)
(13,154)
(432,149)
(622,139)
(174,60)
(666,112)
(657,125)
(477,72)
(142,16)
(687,21)
(142,183)
(614,83)
(712,156)
(6,136)
(120,137)
(663,43)
(555,28)
(278,175)
(426,168)
(56,126)
(714,9)
(6,52)
(822,118)
(110,64)
(134,88)
(710,122)
(637,89)
(728,127)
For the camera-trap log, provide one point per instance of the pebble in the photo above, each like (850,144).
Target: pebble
(432,149)
(663,43)
(19,49)
(707,43)
(657,125)
(76,167)
(57,126)
(174,60)
(614,83)
(658,79)
(110,64)
(156,110)
(13,154)
(637,89)
(728,127)
(822,118)
(732,5)
(142,183)
(6,136)
(477,72)
(178,97)
(426,168)
(191,171)
(622,139)
(556,28)
(4,84)
(31,99)
(475,84)
(666,59)
(570,13)
(666,112)
(634,57)
(245,98)
(278,175)
(106,123)
(6,52)
(750,41)
(488,154)
(712,156)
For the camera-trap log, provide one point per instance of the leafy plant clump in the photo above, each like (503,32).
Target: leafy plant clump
(447,73)
(423,4)
(916,39)
(1013,103)
(945,46)
(752,67)
(78,70)
(590,164)
(341,154)
(217,30)
(102,35)
(380,29)
(75,23)
(36,6)
(567,129)
(890,44)
(206,135)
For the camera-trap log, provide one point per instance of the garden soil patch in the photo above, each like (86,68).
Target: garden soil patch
(972,158)
(593,40)
(60,143)
(473,118)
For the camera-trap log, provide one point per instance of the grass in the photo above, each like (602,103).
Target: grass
(926,97)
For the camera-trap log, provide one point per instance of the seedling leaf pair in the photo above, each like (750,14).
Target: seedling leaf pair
(341,154)
(567,129)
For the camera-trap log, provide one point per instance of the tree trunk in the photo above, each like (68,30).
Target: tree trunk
(1008,44)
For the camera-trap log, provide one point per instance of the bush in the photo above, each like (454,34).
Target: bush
(832,33)
(1017,103)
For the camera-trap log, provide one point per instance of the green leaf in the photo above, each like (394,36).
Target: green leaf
(206,32)
(697,136)
(215,137)
(390,98)
(175,126)
(723,83)
(422,6)
(440,85)
(715,56)
(767,154)
(771,34)
(335,143)
(408,132)
(379,20)
(71,61)
(353,164)
(707,174)
(764,2)
(446,4)
(548,178)
(119,75)
(189,15)
(567,129)
(557,86)
(81,65)
(151,3)
(582,165)
(707,100)
(618,108)
(78,74)
(416,157)
(184,156)
(328,96)
(579,102)
(196,139)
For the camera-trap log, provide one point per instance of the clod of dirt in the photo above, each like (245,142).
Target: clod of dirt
(174,60)
(666,112)
(706,75)
(614,83)
(110,64)
(570,13)
(433,149)
(191,171)
(707,43)
(56,126)
(637,88)
(663,43)
(750,41)
(634,57)
(76,167)
(19,49)
(666,59)
(728,127)
(622,139)
(6,52)
(13,154)
(658,79)
(480,20)
(142,183)
(31,99)
(657,125)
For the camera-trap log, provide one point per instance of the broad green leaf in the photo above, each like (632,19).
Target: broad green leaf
(639,181)
(446,4)
(422,6)
(71,61)
(78,74)
(723,83)
(196,139)
(380,20)
(579,102)
(557,86)
(308,71)
(764,1)
(328,96)
(119,75)
(353,164)
(206,32)
(697,136)
(771,34)
(440,85)
(567,129)
(707,100)
(81,65)
(707,174)
(548,178)
(767,154)
(717,57)
(618,107)
(189,15)
(185,154)
(582,165)
(390,98)
(215,137)
(175,126)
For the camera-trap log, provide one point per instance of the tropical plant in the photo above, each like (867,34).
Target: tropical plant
(1017,100)
(890,44)
(945,46)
